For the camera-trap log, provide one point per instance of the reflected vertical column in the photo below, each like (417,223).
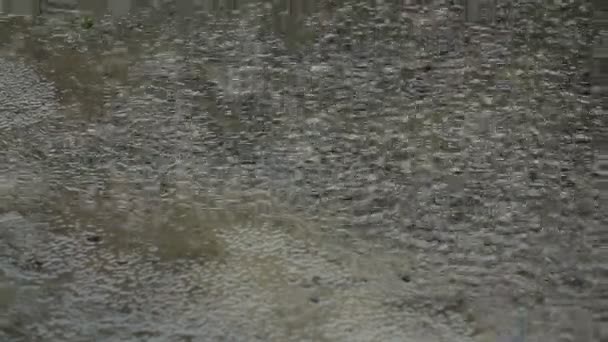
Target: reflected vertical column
(96,7)
(22,7)
(600,51)
(598,235)
(480,11)
(120,7)
(206,5)
(185,8)
(599,80)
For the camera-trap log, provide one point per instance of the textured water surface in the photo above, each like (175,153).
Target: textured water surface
(359,173)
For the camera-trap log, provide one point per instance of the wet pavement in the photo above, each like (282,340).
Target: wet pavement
(356,173)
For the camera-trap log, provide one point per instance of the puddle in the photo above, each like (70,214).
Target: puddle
(317,171)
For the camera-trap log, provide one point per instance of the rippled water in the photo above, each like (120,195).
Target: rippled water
(356,173)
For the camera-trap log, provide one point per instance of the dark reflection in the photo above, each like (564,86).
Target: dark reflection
(20,7)
(184,7)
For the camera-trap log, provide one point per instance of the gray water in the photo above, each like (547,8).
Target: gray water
(343,172)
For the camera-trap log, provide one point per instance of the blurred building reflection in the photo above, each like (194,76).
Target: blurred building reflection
(122,7)
(475,8)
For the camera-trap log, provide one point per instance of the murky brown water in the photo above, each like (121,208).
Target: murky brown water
(289,173)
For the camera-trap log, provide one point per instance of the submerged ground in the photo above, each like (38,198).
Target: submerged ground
(356,174)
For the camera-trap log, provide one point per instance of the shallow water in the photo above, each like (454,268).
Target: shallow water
(355,173)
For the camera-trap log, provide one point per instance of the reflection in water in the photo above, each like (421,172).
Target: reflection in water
(115,7)
(215,176)
(20,7)
(123,7)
